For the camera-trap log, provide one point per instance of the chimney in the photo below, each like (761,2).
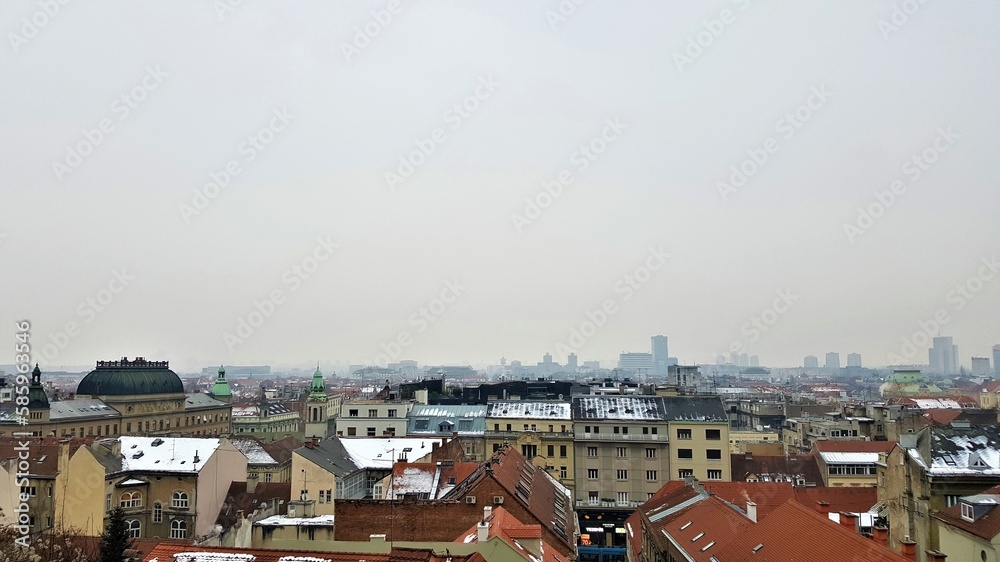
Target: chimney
(822,507)
(908,549)
(936,556)
(849,520)
(251,484)
(751,511)
(881,535)
(487,512)
(483,531)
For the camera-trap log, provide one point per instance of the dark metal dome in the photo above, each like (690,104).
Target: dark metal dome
(124,378)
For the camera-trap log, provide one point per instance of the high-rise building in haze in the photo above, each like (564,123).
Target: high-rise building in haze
(810,362)
(744,360)
(734,358)
(981,366)
(660,355)
(832,360)
(853,359)
(943,356)
(754,361)
(571,362)
(641,363)
(996,360)
(720,359)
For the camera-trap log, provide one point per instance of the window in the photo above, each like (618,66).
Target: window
(31,491)
(551,451)
(950,500)
(714,474)
(597,429)
(352,431)
(714,454)
(130,499)
(622,452)
(591,451)
(967,512)
(651,475)
(157,513)
(352,413)
(392,413)
(654,431)
(371,432)
(107,502)
(268,476)
(685,472)
(650,452)
(562,451)
(562,472)
(684,434)
(645,431)
(592,498)
(685,454)
(591,474)
(373,413)
(133,529)
(496,427)
(622,498)
(625,430)
(508,427)
(529,451)
(329,495)
(179,500)
(713,434)
(178,529)
(622,474)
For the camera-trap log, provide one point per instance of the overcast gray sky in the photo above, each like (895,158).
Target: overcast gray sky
(310,113)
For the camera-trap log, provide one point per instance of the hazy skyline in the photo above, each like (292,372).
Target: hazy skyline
(481,179)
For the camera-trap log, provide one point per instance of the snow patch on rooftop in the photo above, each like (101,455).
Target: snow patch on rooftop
(378,453)
(529,410)
(174,454)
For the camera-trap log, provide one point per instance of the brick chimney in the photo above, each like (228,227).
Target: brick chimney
(822,507)
(908,549)
(751,511)
(849,520)
(881,535)
(936,556)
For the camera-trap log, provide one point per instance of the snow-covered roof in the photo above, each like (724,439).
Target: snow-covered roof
(378,452)
(937,403)
(253,449)
(969,454)
(529,410)
(639,408)
(285,521)
(849,458)
(412,481)
(166,454)
(213,557)
(82,408)
(447,411)
(132,482)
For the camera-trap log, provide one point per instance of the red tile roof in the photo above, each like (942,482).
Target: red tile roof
(986,527)
(942,416)
(165,552)
(853,499)
(795,532)
(512,531)
(705,527)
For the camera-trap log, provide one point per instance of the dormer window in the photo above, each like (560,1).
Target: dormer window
(968,513)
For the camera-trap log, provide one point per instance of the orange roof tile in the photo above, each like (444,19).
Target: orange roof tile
(849,446)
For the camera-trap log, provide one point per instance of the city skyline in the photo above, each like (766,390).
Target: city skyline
(455,184)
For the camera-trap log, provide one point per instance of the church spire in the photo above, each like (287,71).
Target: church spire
(317,391)
(221,389)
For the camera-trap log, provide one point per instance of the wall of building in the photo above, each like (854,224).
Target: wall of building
(607,461)
(309,477)
(959,545)
(700,445)
(80,493)
(226,466)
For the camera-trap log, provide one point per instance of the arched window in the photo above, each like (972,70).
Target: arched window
(132,527)
(178,529)
(179,500)
(157,513)
(131,499)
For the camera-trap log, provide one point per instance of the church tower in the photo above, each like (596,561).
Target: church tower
(38,402)
(221,390)
(316,404)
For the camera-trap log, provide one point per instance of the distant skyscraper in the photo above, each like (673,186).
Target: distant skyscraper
(547,358)
(754,361)
(744,360)
(832,360)
(571,362)
(734,358)
(853,359)
(996,360)
(641,363)
(981,366)
(943,356)
(660,355)
(810,362)
(720,359)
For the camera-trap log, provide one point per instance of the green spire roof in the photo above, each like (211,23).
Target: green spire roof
(221,386)
(317,392)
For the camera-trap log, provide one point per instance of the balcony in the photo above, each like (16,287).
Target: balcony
(568,435)
(607,504)
(622,437)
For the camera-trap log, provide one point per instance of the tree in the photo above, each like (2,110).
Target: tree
(115,540)
(51,546)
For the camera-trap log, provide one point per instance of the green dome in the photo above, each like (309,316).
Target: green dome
(125,378)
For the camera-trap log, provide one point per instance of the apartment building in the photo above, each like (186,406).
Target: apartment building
(373,418)
(542,431)
(699,432)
